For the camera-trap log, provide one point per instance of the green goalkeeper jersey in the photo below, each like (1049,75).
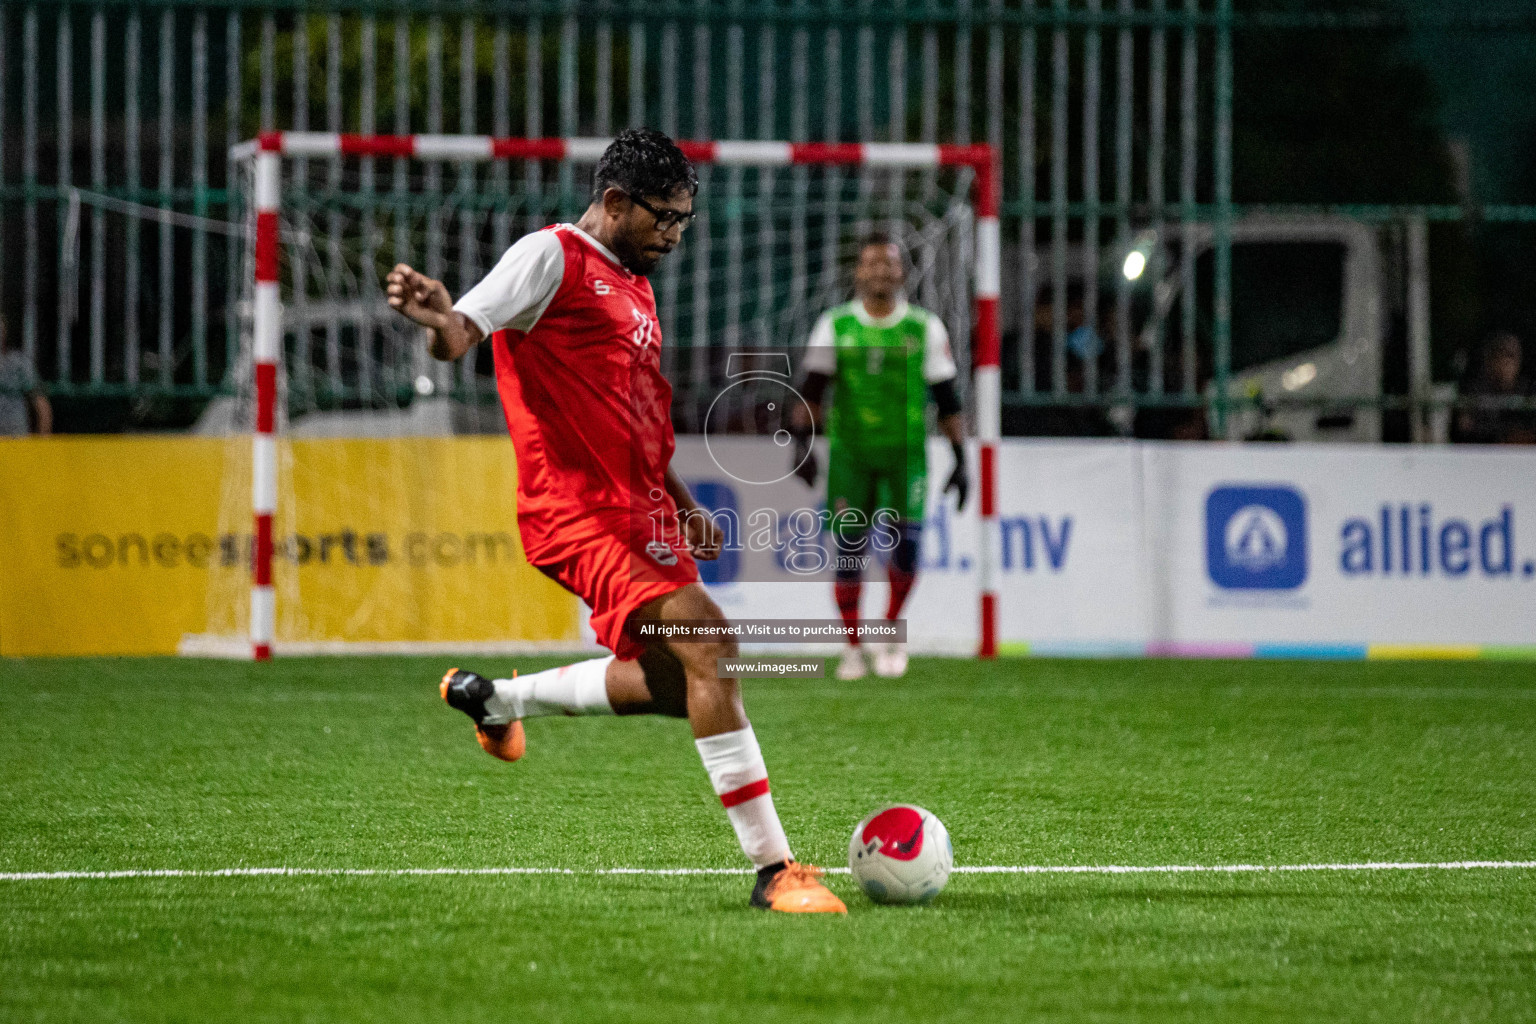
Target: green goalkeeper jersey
(881,370)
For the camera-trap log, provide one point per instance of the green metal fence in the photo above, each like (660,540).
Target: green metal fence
(1114,119)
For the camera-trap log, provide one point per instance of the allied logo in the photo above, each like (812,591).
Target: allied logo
(1256,538)
(896,833)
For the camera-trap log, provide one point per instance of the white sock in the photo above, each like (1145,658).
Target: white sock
(735,765)
(579,689)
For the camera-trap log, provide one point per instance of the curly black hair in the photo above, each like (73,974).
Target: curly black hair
(644,162)
(870,238)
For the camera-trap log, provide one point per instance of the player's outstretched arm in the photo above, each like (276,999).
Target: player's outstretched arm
(427,302)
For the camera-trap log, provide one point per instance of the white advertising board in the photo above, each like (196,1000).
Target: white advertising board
(1341,544)
(1129,548)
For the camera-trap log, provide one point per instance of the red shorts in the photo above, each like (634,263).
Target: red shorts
(616,571)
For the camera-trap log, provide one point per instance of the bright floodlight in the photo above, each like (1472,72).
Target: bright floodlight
(1135,264)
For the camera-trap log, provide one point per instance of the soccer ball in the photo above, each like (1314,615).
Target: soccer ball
(900,854)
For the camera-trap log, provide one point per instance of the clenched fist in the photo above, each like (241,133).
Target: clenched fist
(427,302)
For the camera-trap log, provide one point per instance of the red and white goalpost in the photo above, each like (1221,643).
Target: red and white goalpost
(268,152)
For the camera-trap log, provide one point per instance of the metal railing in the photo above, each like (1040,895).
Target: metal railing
(1114,118)
(144,305)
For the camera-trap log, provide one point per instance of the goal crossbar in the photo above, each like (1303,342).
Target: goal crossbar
(268,150)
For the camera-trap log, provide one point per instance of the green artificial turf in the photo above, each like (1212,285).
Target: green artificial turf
(356,763)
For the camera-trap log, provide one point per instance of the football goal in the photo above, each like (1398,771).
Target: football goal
(350,515)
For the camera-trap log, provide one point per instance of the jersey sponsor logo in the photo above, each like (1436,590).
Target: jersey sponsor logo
(601,287)
(661,553)
(896,833)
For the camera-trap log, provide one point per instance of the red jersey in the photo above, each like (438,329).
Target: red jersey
(586,403)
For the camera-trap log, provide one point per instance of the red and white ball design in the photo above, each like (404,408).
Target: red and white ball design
(901,854)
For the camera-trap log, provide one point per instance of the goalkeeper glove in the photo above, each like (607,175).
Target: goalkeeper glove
(959,480)
(806,466)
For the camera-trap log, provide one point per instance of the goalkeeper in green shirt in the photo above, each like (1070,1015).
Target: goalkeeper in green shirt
(884,358)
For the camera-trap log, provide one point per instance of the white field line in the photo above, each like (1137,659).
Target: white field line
(966,869)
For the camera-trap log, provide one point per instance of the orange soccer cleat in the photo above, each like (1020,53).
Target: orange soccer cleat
(468,691)
(795,888)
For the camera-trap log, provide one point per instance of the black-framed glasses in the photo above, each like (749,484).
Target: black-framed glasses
(665,219)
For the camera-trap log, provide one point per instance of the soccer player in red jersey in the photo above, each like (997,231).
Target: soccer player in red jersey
(572,321)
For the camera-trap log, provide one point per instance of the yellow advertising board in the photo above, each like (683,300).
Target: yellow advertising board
(127,545)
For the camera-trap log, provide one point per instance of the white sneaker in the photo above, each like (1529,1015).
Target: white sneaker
(852,665)
(891,660)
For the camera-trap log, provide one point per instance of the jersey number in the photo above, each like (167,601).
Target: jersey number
(645,328)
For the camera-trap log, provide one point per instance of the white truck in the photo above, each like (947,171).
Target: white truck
(1313,303)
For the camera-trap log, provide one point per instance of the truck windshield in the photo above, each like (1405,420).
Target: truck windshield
(1287,297)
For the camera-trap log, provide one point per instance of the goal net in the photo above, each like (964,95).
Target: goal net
(391,483)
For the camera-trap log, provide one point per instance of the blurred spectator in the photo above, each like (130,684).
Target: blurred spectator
(20,394)
(1496,374)
(1083,344)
